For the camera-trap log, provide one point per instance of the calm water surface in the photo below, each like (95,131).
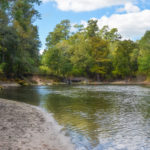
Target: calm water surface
(95,117)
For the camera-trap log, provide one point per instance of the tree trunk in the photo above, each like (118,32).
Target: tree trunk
(98,77)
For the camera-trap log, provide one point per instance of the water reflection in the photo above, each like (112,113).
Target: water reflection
(28,95)
(79,114)
(95,117)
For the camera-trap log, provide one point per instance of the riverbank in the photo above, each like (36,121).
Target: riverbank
(48,80)
(121,83)
(9,84)
(25,127)
(15,84)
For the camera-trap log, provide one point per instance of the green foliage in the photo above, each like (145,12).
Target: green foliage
(94,52)
(2,66)
(99,52)
(144,56)
(90,51)
(57,59)
(80,54)
(19,41)
(124,59)
(61,32)
(109,35)
(92,28)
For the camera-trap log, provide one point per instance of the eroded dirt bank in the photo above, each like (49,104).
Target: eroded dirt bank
(25,127)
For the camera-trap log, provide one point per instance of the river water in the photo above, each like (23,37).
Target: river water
(102,117)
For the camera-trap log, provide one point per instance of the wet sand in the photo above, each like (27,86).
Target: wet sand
(25,127)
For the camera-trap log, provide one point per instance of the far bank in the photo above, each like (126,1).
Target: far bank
(54,80)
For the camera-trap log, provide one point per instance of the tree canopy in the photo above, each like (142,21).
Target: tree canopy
(19,41)
(93,52)
(89,52)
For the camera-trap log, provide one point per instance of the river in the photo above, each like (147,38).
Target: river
(95,117)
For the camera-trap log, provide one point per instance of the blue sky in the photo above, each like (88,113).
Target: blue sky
(131,17)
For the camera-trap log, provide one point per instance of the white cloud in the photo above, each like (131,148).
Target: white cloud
(41,51)
(129,8)
(84,23)
(86,5)
(130,25)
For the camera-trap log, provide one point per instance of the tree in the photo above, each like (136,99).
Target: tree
(80,54)
(23,14)
(57,59)
(123,63)
(94,52)
(110,35)
(8,49)
(92,28)
(61,32)
(19,42)
(79,28)
(144,54)
(100,60)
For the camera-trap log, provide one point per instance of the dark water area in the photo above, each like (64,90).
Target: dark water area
(102,117)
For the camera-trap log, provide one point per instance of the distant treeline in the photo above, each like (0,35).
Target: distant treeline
(88,52)
(95,53)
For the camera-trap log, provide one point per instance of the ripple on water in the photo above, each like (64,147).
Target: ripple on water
(103,117)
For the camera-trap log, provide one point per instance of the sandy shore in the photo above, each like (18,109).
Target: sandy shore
(25,127)
(6,85)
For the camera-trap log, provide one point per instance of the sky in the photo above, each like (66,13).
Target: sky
(131,17)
